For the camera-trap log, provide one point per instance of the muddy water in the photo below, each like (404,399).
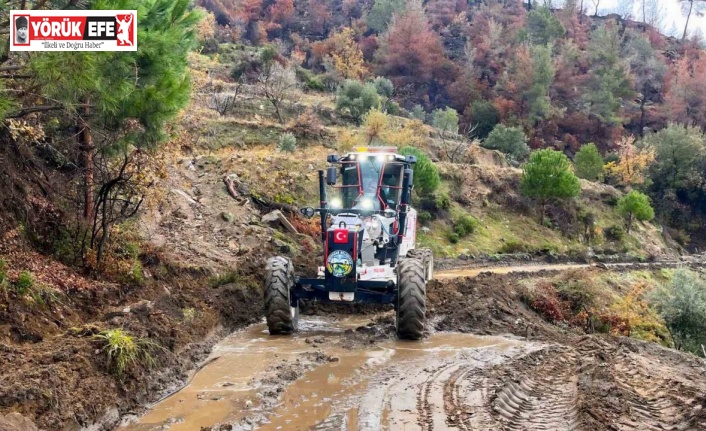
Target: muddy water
(369,386)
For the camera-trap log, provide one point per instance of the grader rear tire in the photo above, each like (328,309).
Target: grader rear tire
(279,279)
(411,299)
(427,258)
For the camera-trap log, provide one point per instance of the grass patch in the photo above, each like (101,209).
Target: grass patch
(24,282)
(230,277)
(228,132)
(124,351)
(189,314)
(3,274)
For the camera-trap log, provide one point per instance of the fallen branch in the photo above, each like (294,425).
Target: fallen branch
(231,187)
(238,192)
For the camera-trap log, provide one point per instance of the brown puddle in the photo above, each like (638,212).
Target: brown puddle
(330,396)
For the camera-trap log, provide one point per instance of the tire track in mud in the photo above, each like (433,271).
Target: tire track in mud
(429,390)
(456,410)
(654,403)
(542,397)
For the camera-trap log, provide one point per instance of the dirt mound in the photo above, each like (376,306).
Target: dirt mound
(579,382)
(486,304)
(55,372)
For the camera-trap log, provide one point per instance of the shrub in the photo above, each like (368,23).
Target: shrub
(484,117)
(577,289)
(545,300)
(25,281)
(287,143)
(315,84)
(426,176)
(442,201)
(384,87)
(635,205)
(682,305)
(453,237)
(465,225)
(588,163)
(307,125)
(393,108)
(424,217)
(418,113)
(446,120)
(513,246)
(509,140)
(639,320)
(356,99)
(615,233)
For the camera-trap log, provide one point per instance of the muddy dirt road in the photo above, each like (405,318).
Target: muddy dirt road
(331,377)
(350,373)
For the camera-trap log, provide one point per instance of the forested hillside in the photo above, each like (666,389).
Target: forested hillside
(565,79)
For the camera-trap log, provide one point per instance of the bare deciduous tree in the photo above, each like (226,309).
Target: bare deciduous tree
(700,5)
(277,83)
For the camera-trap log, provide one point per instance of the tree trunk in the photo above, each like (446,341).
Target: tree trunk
(89,151)
(581,13)
(541,216)
(275,104)
(642,113)
(629,222)
(686,26)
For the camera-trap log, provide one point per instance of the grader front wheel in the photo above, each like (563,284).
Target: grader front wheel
(411,299)
(279,280)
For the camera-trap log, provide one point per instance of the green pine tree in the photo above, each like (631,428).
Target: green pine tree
(548,175)
(543,72)
(101,90)
(543,27)
(426,176)
(635,205)
(610,82)
(382,12)
(588,163)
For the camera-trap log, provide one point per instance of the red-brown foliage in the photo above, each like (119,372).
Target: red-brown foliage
(310,227)
(547,303)
(685,98)
(410,52)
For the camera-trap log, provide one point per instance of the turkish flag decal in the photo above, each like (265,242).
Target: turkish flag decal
(340,236)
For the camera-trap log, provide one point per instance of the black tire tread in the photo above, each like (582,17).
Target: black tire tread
(279,278)
(411,301)
(427,258)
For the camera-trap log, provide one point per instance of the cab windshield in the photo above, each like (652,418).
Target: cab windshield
(371,184)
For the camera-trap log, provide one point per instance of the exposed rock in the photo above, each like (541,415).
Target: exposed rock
(275,218)
(16,422)
(226,216)
(272,218)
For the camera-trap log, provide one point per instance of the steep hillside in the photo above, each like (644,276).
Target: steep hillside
(564,78)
